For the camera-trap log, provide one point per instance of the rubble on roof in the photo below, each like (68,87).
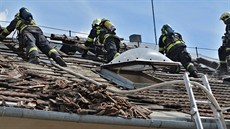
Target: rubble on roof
(23,87)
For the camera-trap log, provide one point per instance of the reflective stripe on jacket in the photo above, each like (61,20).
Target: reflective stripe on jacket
(17,23)
(168,44)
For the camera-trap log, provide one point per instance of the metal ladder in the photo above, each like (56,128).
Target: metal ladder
(218,117)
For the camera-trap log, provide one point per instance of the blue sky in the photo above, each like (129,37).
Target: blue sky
(197,21)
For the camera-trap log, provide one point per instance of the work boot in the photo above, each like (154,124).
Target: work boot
(57,58)
(193,71)
(34,60)
(223,68)
(60,61)
(84,54)
(194,74)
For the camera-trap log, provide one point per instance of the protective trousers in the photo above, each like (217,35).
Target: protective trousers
(32,37)
(223,52)
(112,49)
(180,54)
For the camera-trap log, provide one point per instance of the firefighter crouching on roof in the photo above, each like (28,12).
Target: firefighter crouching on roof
(103,32)
(224,50)
(171,44)
(31,37)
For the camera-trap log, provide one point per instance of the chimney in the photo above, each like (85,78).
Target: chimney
(135,38)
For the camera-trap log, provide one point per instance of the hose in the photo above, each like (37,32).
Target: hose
(76,74)
(115,90)
(208,93)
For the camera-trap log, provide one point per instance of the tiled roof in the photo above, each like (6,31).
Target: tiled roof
(177,98)
(45,87)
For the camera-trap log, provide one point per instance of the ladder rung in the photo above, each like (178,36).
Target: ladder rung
(218,117)
(208,118)
(203,102)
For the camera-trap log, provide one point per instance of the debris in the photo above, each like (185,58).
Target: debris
(14,74)
(25,88)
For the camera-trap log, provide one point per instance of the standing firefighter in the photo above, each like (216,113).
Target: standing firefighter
(103,32)
(171,44)
(30,37)
(224,50)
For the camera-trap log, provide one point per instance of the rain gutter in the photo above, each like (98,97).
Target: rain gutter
(67,117)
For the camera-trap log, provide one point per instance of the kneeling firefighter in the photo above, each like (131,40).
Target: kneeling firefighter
(171,44)
(103,33)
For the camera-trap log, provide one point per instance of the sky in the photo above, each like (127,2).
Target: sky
(198,21)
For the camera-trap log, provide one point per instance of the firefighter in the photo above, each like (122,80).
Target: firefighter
(224,50)
(171,44)
(31,37)
(101,30)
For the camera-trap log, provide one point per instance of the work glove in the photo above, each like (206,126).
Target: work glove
(1,37)
(1,28)
(224,41)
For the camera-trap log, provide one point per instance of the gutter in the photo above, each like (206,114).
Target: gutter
(67,117)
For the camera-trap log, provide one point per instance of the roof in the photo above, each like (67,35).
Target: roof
(47,87)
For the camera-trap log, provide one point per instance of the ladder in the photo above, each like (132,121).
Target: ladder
(218,116)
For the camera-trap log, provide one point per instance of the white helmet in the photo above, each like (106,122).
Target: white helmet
(96,22)
(225,16)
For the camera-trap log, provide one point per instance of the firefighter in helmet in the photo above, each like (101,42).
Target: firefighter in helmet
(101,30)
(171,44)
(224,50)
(31,37)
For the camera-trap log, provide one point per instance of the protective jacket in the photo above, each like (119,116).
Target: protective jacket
(99,32)
(168,44)
(17,23)
(102,35)
(226,37)
(224,50)
(30,37)
(175,49)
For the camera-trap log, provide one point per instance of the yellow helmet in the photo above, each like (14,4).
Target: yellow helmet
(96,22)
(225,16)
(103,19)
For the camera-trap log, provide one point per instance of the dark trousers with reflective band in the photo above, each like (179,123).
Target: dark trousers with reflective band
(112,48)
(223,52)
(180,54)
(33,37)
